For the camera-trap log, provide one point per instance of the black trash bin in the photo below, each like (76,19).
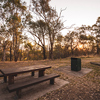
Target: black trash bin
(75,64)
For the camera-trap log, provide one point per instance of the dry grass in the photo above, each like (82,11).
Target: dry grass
(79,88)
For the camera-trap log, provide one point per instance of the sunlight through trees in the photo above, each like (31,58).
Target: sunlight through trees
(43,24)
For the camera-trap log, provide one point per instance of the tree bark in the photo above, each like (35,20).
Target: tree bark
(10,53)
(16,50)
(51,52)
(4,53)
(44,52)
(21,55)
(97,49)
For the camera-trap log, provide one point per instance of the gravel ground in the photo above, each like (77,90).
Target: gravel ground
(30,93)
(86,87)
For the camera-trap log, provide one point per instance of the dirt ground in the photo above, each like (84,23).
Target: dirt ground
(86,87)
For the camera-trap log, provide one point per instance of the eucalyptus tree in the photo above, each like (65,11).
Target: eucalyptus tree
(53,21)
(28,46)
(82,35)
(5,45)
(96,30)
(59,39)
(86,37)
(58,47)
(11,15)
(39,32)
(72,40)
(5,38)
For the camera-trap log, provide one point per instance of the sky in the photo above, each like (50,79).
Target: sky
(78,12)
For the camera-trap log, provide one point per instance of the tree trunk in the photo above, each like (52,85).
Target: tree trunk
(44,53)
(21,55)
(88,52)
(51,52)
(15,55)
(10,53)
(16,50)
(28,55)
(72,50)
(4,53)
(97,49)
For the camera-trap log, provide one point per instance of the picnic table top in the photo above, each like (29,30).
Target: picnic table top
(18,70)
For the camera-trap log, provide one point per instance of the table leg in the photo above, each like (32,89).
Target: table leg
(41,73)
(5,79)
(52,81)
(15,75)
(32,74)
(10,79)
(18,92)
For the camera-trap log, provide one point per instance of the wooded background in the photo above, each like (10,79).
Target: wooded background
(34,33)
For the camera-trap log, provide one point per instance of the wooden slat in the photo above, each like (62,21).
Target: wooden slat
(30,82)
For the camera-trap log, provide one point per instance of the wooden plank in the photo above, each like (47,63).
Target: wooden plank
(19,70)
(30,82)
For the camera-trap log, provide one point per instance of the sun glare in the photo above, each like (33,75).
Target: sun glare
(80,46)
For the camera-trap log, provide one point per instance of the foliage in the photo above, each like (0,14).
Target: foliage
(53,21)
(45,30)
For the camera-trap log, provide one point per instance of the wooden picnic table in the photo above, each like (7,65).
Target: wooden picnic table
(11,72)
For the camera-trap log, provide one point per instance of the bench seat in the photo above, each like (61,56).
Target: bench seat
(32,81)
